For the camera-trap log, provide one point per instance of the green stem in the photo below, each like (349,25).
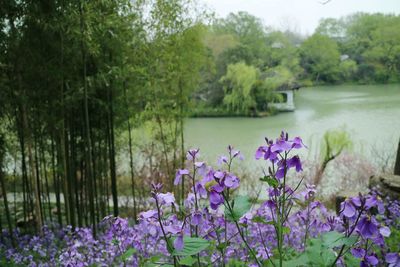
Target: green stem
(169,246)
(342,248)
(281,216)
(240,231)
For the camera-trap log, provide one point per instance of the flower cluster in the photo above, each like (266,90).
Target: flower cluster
(278,152)
(216,226)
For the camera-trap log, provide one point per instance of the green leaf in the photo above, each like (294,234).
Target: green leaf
(331,237)
(236,263)
(351,261)
(170,240)
(155,258)
(327,257)
(301,260)
(271,181)
(336,239)
(187,261)
(259,219)
(191,246)
(223,246)
(128,254)
(240,207)
(149,264)
(285,230)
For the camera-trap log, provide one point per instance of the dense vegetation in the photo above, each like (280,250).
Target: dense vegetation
(251,60)
(83,82)
(77,74)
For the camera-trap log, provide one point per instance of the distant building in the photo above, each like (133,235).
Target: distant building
(277,45)
(344,57)
(287,92)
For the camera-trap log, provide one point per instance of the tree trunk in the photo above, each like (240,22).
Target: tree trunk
(34,177)
(397,163)
(56,181)
(182,139)
(112,152)
(88,141)
(4,191)
(130,154)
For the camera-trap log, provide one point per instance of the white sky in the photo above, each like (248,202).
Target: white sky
(300,15)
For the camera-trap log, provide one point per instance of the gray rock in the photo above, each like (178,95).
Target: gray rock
(387,184)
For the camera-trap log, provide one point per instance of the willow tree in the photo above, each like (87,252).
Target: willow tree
(238,84)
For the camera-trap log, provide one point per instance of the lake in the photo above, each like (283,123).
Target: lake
(370,113)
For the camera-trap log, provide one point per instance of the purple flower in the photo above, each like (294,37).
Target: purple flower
(298,143)
(393,259)
(148,214)
(217,188)
(173,229)
(260,152)
(295,162)
(156,187)
(280,173)
(266,152)
(201,191)
(349,207)
(358,252)
(370,202)
(222,159)
(369,261)
(273,192)
(178,243)
(197,218)
(192,154)
(281,145)
(309,192)
(236,153)
(231,181)
(270,204)
(215,199)
(208,177)
(218,175)
(166,199)
(179,175)
(384,231)
(201,167)
(367,228)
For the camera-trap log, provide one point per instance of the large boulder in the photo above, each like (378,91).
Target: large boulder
(387,184)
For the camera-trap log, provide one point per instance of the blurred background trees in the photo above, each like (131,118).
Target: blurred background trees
(93,95)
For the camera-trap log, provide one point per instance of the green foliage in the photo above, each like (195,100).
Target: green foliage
(236,263)
(192,246)
(333,28)
(393,240)
(127,254)
(320,250)
(320,58)
(371,40)
(240,205)
(335,141)
(270,181)
(249,30)
(238,83)
(278,77)
(187,261)
(356,48)
(348,69)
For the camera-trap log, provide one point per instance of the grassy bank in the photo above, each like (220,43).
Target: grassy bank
(206,112)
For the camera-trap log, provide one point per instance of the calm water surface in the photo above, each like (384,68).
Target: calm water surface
(371,114)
